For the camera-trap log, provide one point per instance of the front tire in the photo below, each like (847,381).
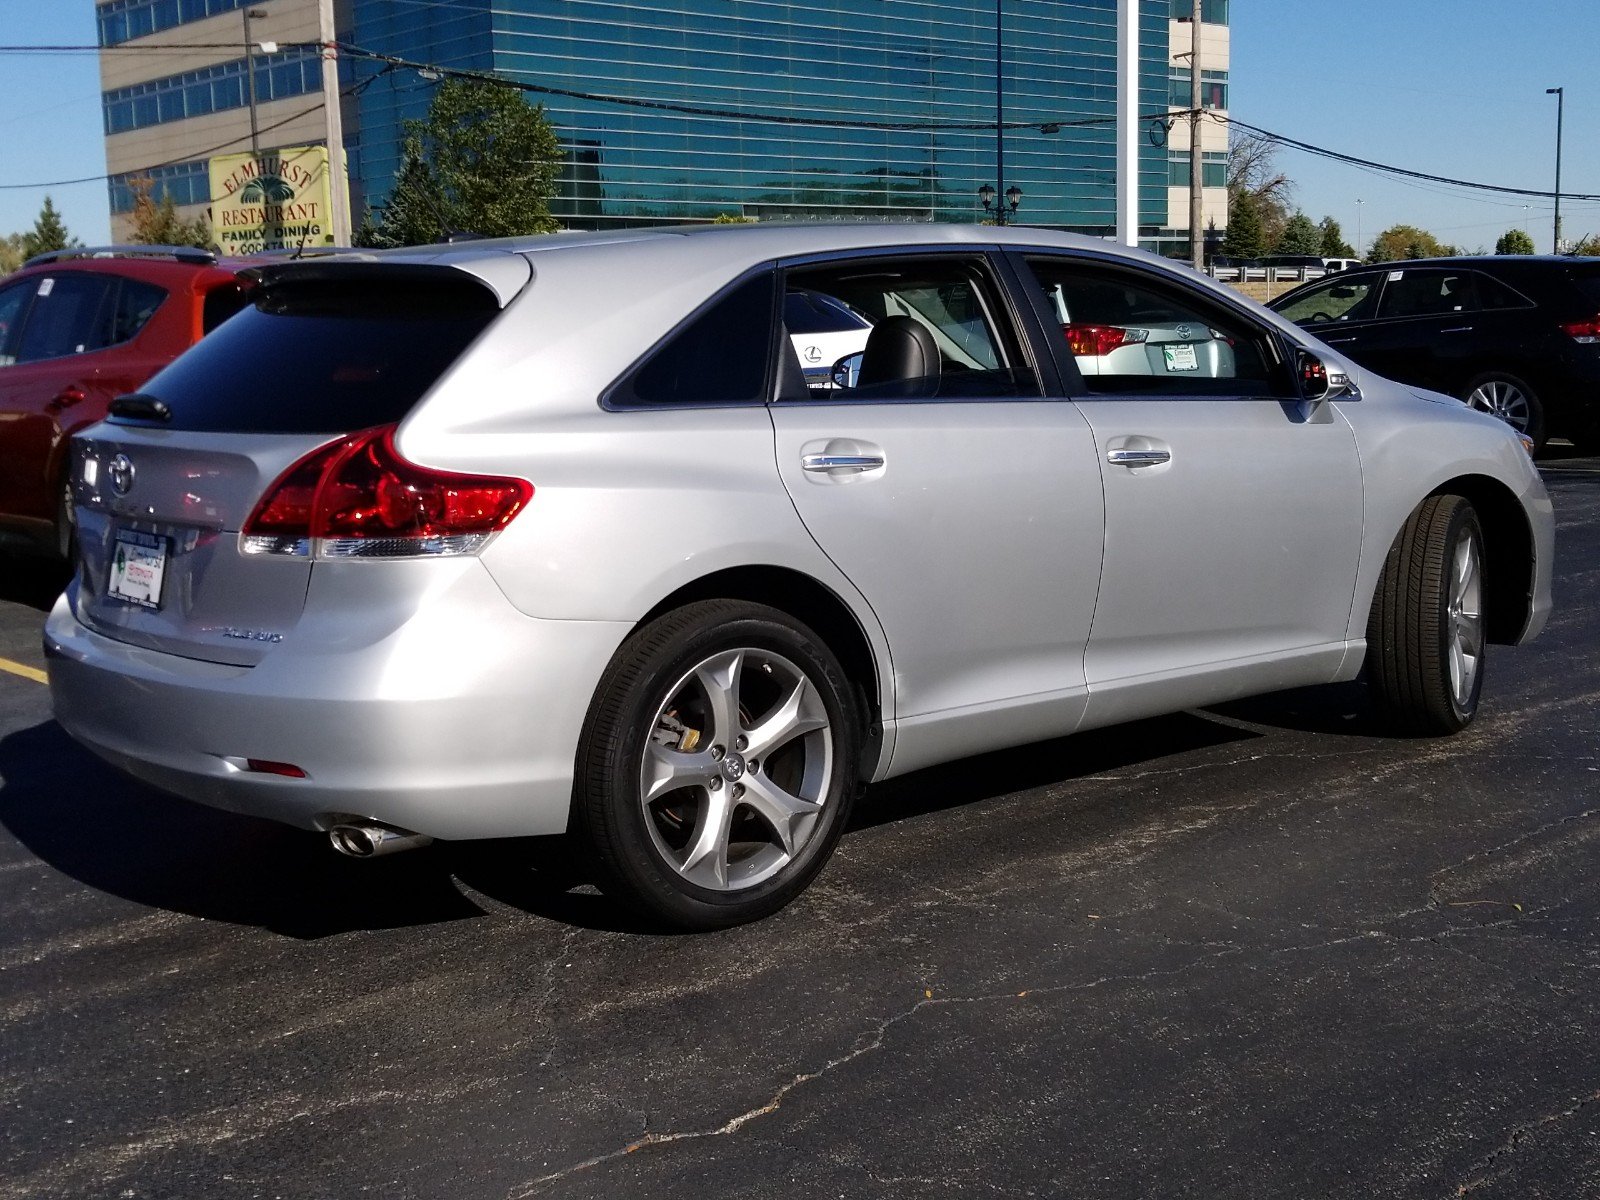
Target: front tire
(1511,399)
(718,765)
(1425,634)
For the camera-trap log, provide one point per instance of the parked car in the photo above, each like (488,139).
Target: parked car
(78,327)
(1517,336)
(824,331)
(1282,267)
(513,546)
(1340,264)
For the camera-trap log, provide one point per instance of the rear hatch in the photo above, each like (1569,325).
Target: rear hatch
(165,485)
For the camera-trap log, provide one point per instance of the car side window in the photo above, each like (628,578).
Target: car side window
(928,327)
(1346,299)
(71,314)
(13,307)
(1428,293)
(1494,294)
(1129,333)
(136,304)
(719,356)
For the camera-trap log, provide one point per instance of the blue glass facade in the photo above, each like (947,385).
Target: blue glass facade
(854,61)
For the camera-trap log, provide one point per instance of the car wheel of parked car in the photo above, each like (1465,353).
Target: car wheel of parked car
(1510,399)
(1425,635)
(718,764)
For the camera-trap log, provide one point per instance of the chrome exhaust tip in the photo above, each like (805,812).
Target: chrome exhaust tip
(371,840)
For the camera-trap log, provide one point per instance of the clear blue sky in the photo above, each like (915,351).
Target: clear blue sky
(1451,87)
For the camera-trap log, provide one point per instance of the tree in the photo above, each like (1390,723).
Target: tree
(158,224)
(1407,241)
(1252,172)
(1589,246)
(1244,238)
(1333,243)
(415,213)
(49,232)
(1300,236)
(1514,241)
(11,255)
(492,156)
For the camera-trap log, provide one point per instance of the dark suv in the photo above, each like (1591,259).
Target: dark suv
(1514,335)
(78,328)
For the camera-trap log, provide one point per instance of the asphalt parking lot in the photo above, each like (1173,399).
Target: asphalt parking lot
(1248,951)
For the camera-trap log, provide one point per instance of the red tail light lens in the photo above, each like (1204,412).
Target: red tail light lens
(357,498)
(1587,332)
(1096,340)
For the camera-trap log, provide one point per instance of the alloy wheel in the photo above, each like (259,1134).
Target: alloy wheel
(1503,399)
(1464,620)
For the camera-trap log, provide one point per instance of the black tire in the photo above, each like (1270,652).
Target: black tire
(1508,396)
(66,525)
(1413,628)
(652,694)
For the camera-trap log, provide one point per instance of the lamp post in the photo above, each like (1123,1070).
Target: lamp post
(1560,95)
(251,14)
(999,112)
(1003,210)
(1359,203)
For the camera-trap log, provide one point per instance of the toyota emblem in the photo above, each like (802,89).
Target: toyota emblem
(121,473)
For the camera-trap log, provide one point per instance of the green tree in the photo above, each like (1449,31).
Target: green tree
(1244,237)
(11,255)
(1252,171)
(1333,243)
(1589,246)
(1407,241)
(1514,241)
(158,224)
(49,232)
(493,157)
(1300,236)
(415,213)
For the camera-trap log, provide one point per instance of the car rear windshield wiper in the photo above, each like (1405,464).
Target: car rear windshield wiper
(140,407)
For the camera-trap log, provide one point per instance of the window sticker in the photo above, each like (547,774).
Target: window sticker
(46,286)
(1395,276)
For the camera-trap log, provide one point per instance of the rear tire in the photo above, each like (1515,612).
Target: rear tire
(718,765)
(1425,634)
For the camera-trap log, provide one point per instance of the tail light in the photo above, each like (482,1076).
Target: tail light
(1587,332)
(1097,340)
(357,498)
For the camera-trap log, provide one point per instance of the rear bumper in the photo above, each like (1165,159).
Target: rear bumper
(462,723)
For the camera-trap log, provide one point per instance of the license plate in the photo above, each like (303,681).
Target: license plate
(138,563)
(1181,357)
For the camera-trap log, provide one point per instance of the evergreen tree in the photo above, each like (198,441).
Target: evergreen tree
(1514,241)
(158,224)
(1300,236)
(49,232)
(1244,237)
(414,215)
(492,156)
(1333,243)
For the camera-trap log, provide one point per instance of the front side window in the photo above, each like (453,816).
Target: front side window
(1345,299)
(71,314)
(929,328)
(1130,333)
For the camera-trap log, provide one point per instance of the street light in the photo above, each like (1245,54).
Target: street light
(1560,95)
(1359,203)
(999,114)
(252,14)
(987,195)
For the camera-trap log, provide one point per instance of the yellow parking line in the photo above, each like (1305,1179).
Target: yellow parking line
(17,668)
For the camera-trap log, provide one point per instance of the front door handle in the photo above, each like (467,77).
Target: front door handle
(1338,341)
(1138,458)
(66,398)
(1457,329)
(841,462)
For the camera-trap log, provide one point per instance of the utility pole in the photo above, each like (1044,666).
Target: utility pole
(1197,233)
(338,185)
(252,14)
(1560,95)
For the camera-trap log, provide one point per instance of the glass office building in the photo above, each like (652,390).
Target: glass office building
(832,109)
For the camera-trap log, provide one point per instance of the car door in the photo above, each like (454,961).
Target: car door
(957,489)
(1233,508)
(1428,325)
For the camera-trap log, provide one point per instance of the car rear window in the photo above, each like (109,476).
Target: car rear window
(323,356)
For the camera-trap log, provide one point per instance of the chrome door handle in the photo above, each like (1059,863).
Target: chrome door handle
(1338,341)
(1138,458)
(841,462)
(1457,329)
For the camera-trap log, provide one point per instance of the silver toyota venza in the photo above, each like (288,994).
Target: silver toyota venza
(577,535)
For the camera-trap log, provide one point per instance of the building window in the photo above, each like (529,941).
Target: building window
(1213,90)
(120,20)
(1213,170)
(212,89)
(1212,12)
(186,183)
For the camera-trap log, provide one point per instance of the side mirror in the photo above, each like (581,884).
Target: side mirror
(847,370)
(1314,382)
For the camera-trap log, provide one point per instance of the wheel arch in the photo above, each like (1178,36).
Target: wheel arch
(821,609)
(1508,546)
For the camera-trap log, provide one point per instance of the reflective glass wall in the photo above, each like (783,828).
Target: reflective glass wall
(799,109)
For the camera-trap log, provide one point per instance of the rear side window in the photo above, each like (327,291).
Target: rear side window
(324,356)
(136,304)
(719,357)
(221,303)
(71,314)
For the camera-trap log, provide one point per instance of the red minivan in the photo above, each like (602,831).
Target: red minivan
(77,329)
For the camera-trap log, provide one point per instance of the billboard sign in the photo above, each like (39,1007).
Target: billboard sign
(275,200)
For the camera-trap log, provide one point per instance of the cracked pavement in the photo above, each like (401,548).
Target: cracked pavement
(1250,951)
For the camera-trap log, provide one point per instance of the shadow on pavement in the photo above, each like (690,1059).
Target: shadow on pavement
(1340,708)
(35,582)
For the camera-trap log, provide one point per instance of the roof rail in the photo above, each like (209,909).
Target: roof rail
(183,254)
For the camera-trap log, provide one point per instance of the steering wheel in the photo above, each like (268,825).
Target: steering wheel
(1318,317)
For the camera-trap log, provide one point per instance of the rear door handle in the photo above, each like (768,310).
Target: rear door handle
(1457,329)
(841,462)
(1338,341)
(66,398)
(1138,458)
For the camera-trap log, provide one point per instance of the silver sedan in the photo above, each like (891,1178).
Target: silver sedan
(558,536)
